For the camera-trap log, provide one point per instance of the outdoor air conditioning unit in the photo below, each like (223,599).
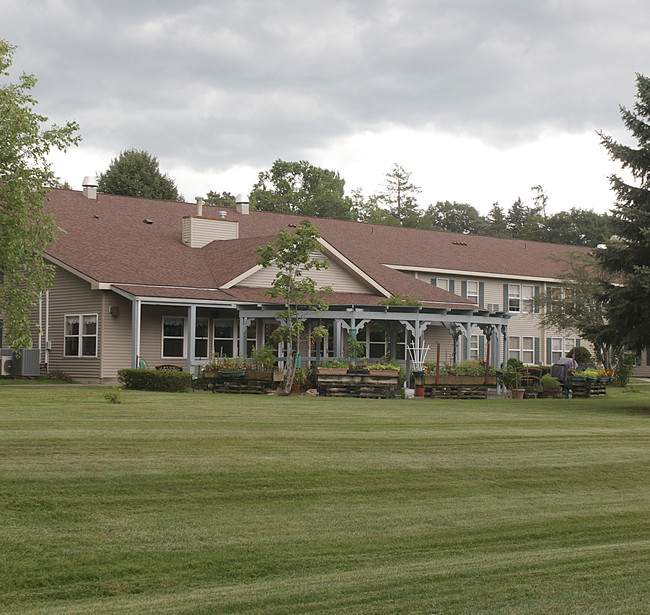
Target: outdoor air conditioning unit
(493,307)
(5,366)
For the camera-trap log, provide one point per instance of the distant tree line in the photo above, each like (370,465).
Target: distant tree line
(304,189)
(301,188)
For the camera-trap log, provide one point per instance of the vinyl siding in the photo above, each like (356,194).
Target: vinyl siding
(335,276)
(116,335)
(439,335)
(71,295)
(198,232)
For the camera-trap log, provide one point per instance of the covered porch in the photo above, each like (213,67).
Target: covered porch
(192,331)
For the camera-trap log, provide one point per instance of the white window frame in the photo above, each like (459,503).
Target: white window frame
(163,337)
(443,283)
(474,347)
(473,290)
(528,354)
(514,352)
(527,299)
(569,343)
(514,296)
(555,294)
(557,349)
(80,335)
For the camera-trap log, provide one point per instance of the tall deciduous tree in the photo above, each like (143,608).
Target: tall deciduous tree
(25,177)
(301,188)
(137,173)
(220,199)
(628,255)
(578,227)
(456,218)
(292,255)
(400,196)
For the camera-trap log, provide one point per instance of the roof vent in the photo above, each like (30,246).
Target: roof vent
(223,214)
(90,187)
(242,204)
(199,205)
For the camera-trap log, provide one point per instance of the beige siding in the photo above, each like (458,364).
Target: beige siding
(335,276)
(71,295)
(643,370)
(198,232)
(439,335)
(116,334)
(520,324)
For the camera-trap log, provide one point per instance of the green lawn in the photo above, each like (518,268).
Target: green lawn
(204,504)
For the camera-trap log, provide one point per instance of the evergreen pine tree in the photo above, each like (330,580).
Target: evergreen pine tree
(627,254)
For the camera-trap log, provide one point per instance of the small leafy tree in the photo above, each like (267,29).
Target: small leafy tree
(25,179)
(293,256)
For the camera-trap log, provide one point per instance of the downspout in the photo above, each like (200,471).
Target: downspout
(136,318)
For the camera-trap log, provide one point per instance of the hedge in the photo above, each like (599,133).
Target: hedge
(154,380)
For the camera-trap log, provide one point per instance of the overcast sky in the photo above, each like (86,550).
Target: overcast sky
(478,99)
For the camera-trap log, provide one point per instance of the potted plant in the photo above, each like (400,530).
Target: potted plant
(299,380)
(551,386)
(511,379)
(263,358)
(333,367)
(225,367)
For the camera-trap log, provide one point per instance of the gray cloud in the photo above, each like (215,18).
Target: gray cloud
(220,83)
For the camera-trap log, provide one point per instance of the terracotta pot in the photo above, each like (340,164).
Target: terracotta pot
(518,393)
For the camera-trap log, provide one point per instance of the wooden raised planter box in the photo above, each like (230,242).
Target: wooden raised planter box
(245,381)
(455,387)
(446,379)
(582,386)
(337,382)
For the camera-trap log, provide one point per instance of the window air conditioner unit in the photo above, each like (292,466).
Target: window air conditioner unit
(5,366)
(494,307)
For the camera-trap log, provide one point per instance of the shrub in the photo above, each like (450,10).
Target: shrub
(333,363)
(623,368)
(263,358)
(580,354)
(155,380)
(112,395)
(549,382)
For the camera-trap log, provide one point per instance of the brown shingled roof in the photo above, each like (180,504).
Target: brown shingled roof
(137,242)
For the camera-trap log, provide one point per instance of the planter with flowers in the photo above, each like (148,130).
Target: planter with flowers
(235,375)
